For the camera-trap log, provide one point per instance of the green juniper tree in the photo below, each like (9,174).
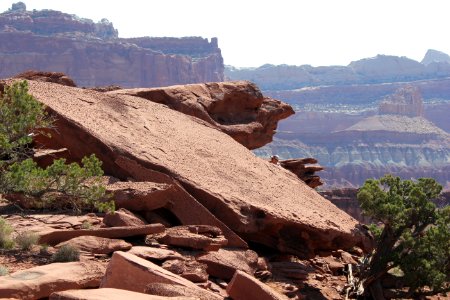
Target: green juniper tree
(414,236)
(59,185)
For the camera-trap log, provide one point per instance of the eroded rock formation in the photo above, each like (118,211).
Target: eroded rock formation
(93,55)
(303,169)
(146,141)
(236,108)
(406,101)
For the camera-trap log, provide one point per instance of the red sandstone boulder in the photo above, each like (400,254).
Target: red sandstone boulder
(236,108)
(202,237)
(170,290)
(57,236)
(224,263)
(55,77)
(109,294)
(148,142)
(157,254)
(97,245)
(140,196)
(247,287)
(40,282)
(123,217)
(129,272)
(301,168)
(189,269)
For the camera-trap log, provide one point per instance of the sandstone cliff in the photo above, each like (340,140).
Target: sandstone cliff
(93,55)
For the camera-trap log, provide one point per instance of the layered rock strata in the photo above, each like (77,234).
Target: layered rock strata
(93,55)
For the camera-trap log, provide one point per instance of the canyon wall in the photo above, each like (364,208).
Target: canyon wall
(355,146)
(93,55)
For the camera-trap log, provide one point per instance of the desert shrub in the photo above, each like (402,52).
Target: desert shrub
(414,236)
(26,240)
(86,225)
(66,253)
(21,116)
(60,184)
(3,271)
(5,235)
(43,250)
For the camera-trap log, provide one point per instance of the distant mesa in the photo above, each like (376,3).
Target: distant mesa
(406,101)
(434,56)
(378,69)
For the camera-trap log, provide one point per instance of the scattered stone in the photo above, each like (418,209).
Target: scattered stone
(152,253)
(39,282)
(204,237)
(129,272)
(246,287)
(171,290)
(347,258)
(140,196)
(291,269)
(110,294)
(97,245)
(224,263)
(123,217)
(189,269)
(335,266)
(57,236)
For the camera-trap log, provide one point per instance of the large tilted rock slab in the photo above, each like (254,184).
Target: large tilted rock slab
(109,294)
(40,282)
(129,272)
(144,140)
(237,108)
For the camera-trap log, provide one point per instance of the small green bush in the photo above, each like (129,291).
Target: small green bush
(21,116)
(44,249)
(86,225)
(5,235)
(66,253)
(58,186)
(26,240)
(3,271)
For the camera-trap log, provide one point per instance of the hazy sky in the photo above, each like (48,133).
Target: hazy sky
(295,32)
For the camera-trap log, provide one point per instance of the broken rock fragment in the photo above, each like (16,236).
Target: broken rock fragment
(57,236)
(129,272)
(123,217)
(110,294)
(97,245)
(247,287)
(224,263)
(39,282)
(202,237)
